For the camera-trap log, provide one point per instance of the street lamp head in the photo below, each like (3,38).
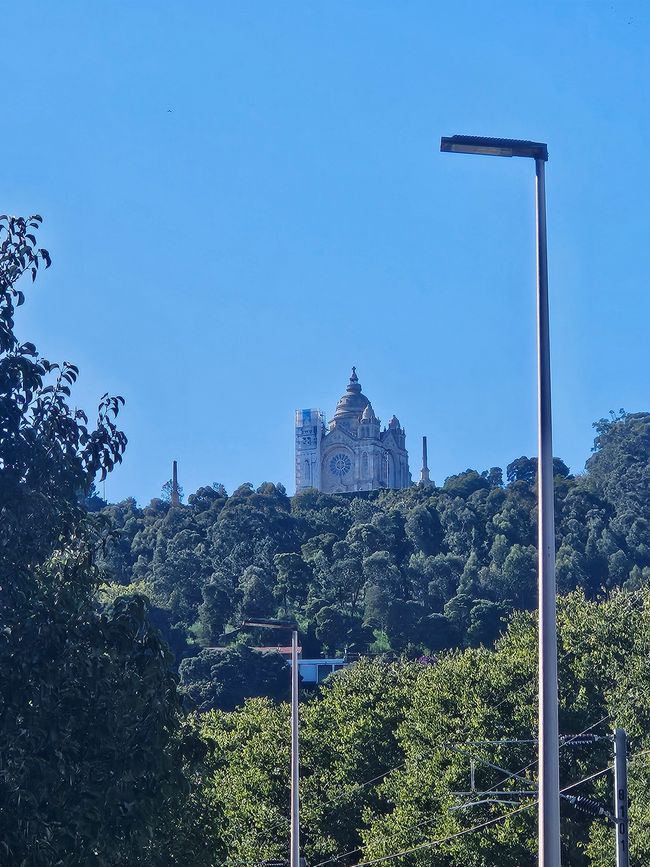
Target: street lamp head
(269,623)
(496,147)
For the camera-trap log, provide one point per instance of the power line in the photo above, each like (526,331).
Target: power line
(465,831)
(632,598)
(360,786)
(478,794)
(431,843)
(527,767)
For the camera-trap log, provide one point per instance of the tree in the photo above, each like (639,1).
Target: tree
(92,501)
(214,610)
(292,582)
(522,470)
(424,530)
(464,484)
(387,747)
(249,763)
(486,622)
(88,706)
(246,790)
(224,677)
(427,551)
(167,490)
(619,468)
(482,695)
(525,469)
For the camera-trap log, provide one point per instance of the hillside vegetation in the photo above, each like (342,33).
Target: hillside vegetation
(409,572)
(386,750)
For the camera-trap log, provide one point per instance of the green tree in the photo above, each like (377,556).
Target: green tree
(224,677)
(88,705)
(167,489)
(292,583)
(464,484)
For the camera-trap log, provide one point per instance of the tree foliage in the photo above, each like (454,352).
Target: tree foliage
(411,571)
(386,750)
(88,703)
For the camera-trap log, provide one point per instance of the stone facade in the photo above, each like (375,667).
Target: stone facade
(354,454)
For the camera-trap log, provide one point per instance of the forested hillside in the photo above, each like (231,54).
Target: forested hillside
(405,572)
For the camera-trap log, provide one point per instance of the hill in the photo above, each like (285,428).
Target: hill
(409,572)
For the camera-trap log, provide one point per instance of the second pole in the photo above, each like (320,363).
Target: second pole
(295,795)
(621,798)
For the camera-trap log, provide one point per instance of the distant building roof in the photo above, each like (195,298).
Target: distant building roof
(353,402)
(285,651)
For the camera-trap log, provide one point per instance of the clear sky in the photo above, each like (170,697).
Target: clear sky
(243,199)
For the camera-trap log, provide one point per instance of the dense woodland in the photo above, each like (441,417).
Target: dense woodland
(128,734)
(410,572)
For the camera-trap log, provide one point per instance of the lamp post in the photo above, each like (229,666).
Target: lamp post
(549,760)
(266,623)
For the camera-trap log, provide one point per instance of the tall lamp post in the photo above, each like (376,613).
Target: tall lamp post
(549,760)
(266,623)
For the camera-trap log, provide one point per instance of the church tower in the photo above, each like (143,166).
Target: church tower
(310,427)
(354,454)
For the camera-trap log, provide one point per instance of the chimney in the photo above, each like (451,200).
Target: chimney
(175,498)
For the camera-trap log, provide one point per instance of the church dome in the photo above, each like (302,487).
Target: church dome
(368,413)
(353,402)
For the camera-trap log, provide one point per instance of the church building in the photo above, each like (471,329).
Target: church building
(353,453)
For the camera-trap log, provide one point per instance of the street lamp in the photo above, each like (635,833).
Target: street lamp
(549,759)
(267,623)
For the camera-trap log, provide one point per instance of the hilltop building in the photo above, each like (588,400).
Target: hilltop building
(353,453)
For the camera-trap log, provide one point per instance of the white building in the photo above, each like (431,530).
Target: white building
(354,454)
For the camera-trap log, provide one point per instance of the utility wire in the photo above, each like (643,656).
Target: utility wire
(527,767)
(465,831)
(431,843)
(478,794)
(359,786)
(632,598)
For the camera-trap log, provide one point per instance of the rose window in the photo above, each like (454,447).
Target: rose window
(340,465)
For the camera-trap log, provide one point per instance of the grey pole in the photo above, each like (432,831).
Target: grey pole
(621,799)
(549,753)
(295,797)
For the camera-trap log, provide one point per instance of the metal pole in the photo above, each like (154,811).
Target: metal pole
(295,797)
(549,758)
(620,799)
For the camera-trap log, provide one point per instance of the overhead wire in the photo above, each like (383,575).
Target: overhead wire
(283,821)
(478,794)
(531,764)
(493,821)
(431,843)
(465,831)
(359,786)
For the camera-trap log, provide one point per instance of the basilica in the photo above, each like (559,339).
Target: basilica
(353,453)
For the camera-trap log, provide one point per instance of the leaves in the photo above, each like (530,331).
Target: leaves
(89,713)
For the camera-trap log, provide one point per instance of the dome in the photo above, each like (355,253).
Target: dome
(394,424)
(368,414)
(353,402)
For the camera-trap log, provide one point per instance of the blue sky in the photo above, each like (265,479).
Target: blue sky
(244,199)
